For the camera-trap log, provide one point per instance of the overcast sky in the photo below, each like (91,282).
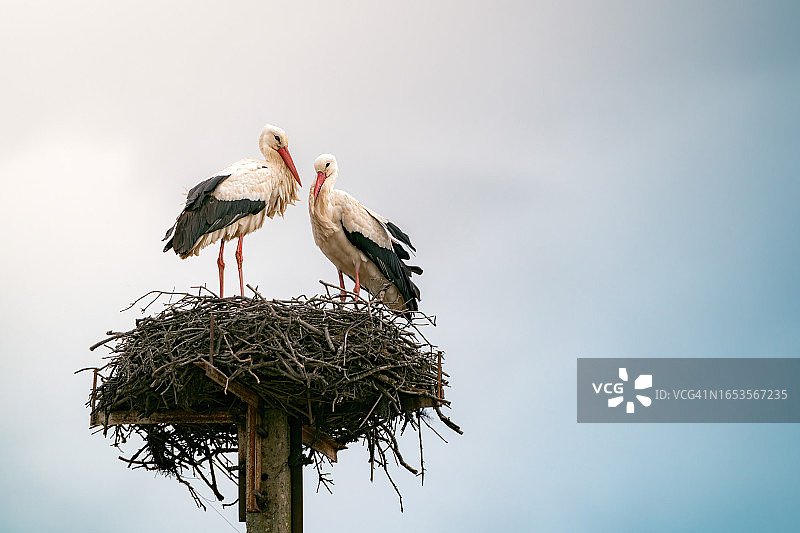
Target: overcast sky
(593,179)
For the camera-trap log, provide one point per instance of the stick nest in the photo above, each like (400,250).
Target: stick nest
(343,369)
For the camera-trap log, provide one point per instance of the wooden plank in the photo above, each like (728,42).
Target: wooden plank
(237,389)
(412,403)
(253,477)
(411,400)
(296,474)
(439,391)
(318,441)
(118,418)
(322,443)
(242,431)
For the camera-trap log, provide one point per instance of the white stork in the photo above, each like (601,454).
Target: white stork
(235,201)
(361,243)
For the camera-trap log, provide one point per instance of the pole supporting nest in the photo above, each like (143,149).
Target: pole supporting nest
(269,506)
(296,461)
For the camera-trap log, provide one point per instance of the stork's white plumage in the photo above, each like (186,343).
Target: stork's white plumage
(236,200)
(361,243)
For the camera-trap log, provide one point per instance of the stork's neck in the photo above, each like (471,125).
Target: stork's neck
(276,164)
(278,167)
(322,205)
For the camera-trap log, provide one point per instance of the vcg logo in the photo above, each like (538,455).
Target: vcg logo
(644,381)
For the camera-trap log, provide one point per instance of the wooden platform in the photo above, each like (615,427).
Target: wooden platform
(250,440)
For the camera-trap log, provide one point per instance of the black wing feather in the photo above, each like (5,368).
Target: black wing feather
(401,236)
(202,190)
(195,198)
(205,214)
(390,265)
(211,216)
(401,252)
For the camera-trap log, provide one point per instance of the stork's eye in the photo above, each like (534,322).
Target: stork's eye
(277,138)
(327,165)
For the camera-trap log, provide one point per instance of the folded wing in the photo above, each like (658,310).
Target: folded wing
(214,204)
(383,243)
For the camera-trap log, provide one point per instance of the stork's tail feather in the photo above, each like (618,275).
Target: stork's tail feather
(169,232)
(400,235)
(414,269)
(167,236)
(400,251)
(412,304)
(417,297)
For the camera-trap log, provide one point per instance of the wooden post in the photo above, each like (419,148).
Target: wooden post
(273,498)
(242,430)
(296,468)
(253,459)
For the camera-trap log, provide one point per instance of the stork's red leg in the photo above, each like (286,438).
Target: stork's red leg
(221,265)
(342,296)
(239,261)
(357,288)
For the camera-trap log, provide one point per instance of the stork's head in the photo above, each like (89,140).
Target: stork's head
(325,166)
(274,138)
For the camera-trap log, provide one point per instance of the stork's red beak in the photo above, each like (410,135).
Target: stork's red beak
(289,163)
(318,185)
